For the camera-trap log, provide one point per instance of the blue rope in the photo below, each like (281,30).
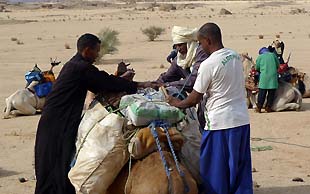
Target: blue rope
(155,135)
(165,126)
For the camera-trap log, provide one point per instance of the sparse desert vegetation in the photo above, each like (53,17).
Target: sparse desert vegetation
(109,42)
(153,32)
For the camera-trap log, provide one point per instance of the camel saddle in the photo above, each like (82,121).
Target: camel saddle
(251,85)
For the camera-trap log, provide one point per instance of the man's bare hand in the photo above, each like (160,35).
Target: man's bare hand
(129,74)
(173,101)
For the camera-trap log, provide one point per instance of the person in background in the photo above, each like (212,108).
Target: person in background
(267,65)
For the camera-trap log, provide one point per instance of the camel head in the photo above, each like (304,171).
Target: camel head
(54,63)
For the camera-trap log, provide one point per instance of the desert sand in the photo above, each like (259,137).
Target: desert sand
(45,31)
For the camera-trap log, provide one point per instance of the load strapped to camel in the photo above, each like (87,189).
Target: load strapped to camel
(142,124)
(45,79)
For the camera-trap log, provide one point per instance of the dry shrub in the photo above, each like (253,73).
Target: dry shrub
(278,36)
(109,42)
(260,36)
(153,32)
(14,39)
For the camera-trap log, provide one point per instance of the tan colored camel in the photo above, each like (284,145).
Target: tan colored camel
(148,177)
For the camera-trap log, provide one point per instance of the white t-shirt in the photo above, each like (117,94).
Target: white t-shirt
(221,77)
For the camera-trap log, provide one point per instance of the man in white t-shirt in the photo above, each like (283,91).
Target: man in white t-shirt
(225,159)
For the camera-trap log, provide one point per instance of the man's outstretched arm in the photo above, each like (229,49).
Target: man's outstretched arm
(193,99)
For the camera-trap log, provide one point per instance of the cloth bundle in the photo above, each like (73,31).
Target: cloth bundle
(141,109)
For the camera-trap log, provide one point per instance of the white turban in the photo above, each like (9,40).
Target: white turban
(182,34)
(185,35)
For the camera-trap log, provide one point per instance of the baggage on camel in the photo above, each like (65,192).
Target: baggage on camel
(102,150)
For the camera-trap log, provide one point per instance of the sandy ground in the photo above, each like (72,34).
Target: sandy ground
(286,132)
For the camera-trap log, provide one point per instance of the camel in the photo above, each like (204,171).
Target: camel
(287,96)
(148,176)
(25,101)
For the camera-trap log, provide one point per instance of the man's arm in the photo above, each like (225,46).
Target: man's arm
(188,82)
(98,81)
(174,73)
(193,99)
(257,66)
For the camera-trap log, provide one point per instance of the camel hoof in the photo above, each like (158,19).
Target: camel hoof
(6,117)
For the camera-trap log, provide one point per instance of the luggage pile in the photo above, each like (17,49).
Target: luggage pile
(45,79)
(107,139)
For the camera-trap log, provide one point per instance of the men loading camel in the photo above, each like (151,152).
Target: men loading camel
(58,125)
(184,67)
(225,160)
(267,64)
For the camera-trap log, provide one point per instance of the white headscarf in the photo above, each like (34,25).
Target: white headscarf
(185,35)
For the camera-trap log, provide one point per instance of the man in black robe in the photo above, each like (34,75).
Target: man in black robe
(57,128)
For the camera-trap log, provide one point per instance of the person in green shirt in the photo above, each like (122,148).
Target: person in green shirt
(267,64)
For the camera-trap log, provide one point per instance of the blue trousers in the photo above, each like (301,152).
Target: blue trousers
(225,161)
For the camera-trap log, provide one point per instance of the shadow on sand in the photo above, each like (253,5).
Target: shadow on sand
(305,107)
(6,173)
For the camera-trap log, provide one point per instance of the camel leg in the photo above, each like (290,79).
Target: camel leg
(297,99)
(252,99)
(288,106)
(25,109)
(7,108)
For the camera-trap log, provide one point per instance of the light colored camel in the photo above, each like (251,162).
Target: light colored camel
(23,102)
(287,96)
(148,177)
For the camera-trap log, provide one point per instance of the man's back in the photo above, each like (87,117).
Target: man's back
(267,64)
(222,80)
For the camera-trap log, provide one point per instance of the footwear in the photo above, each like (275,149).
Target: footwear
(257,110)
(268,109)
